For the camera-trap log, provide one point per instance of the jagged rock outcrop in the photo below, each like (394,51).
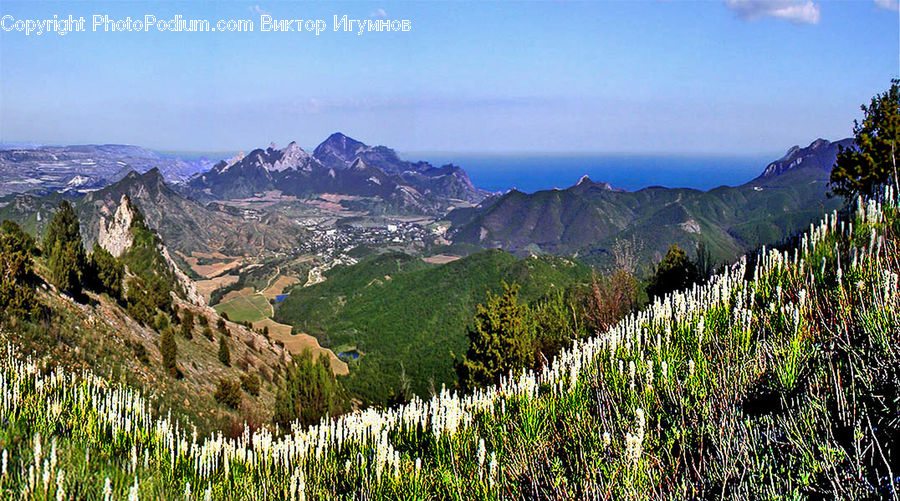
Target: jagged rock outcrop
(116,236)
(819,154)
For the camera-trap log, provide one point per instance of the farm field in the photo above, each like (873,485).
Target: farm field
(245,305)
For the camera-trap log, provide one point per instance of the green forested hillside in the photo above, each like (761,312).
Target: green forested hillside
(586,220)
(396,310)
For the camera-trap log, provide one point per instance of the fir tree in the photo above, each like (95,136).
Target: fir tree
(500,340)
(169,349)
(66,252)
(224,352)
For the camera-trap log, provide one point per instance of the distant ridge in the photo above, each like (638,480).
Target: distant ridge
(587,219)
(341,165)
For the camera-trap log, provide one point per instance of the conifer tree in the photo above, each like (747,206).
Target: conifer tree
(675,272)
(169,349)
(224,352)
(108,272)
(872,160)
(309,392)
(62,242)
(500,340)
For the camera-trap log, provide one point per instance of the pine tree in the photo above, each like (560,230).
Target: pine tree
(310,391)
(17,298)
(872,161)
(187,324)
(228,393)
(224,353)
(169,349)
(675,272)
(500,340)
(108,272)
(66,252)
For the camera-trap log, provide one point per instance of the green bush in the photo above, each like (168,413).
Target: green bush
(228,393)
(107,272)
(62,242)
(309,392)
(250,384)
(224,352)
(169,349)
(499,341)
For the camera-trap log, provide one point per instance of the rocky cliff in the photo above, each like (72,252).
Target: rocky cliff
(115,235)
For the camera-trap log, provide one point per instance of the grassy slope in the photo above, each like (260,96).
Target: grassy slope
(101,337)
(397,309)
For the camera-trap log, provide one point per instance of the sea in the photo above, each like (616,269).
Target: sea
(530,172)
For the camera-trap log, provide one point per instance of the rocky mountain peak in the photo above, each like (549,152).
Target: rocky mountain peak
(115,235)
(819,154)
(292,156)
(338,150)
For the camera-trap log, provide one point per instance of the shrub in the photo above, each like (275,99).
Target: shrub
(309,392)
(610,299)
(674,272)
(228,393)
(169,349)
(224,352)
(498,342)
(107,272)
(17,298)
(250,384)
(187,324)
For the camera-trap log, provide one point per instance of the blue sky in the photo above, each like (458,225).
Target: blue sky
(732,76)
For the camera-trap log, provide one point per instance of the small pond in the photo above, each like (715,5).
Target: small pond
(349,355)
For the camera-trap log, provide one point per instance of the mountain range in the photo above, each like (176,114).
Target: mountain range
(183,223)
(586,220)
(589,218)
(81,168)
(340,165)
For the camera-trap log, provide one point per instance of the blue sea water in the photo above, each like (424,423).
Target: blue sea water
(531,172)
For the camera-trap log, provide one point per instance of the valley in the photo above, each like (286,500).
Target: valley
(308,250)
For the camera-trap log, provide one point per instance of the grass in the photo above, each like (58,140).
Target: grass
(247,307)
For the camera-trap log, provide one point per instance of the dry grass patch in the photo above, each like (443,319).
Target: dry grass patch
(297,343)
(206,287)
(278,286)
(440,259)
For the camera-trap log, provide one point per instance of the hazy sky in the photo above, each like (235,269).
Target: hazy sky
(635,76)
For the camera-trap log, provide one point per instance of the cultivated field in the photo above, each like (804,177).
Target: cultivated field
(244,305)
